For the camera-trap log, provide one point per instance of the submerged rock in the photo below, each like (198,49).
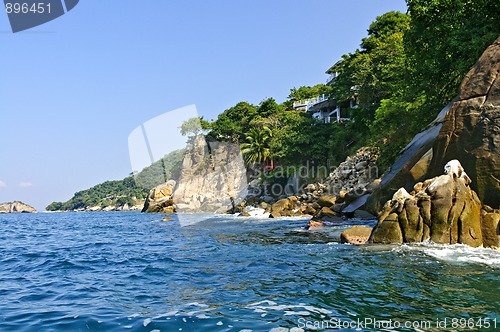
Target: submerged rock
(356,235)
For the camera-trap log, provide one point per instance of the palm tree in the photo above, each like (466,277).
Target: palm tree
(256,149)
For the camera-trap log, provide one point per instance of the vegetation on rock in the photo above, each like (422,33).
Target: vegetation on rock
(132,190)
(407,68)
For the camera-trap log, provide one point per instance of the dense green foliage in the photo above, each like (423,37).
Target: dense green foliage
(109,193)
(131,190)
(233,123)
(445,40)
(410,66)
(406,70)
(256,149)
(167,168)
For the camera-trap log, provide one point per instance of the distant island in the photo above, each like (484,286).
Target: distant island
(16,207)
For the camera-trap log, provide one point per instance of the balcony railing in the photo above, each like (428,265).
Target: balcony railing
(331,78)
(308,103)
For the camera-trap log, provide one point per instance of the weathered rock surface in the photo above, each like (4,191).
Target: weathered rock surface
(471,128)
(354,177)
(467,129)
(16,207)
(443,210)
(286,207)
(160,198)
(356,235)
(213,178)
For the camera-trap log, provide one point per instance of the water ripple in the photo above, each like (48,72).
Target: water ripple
(127,271)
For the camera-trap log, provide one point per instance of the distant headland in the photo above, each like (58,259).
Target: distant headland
(16,207)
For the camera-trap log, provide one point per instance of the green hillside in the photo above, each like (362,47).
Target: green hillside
(131,191)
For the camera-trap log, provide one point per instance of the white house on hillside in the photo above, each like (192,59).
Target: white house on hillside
(323,108)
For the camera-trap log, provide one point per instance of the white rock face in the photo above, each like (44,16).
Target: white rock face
(213,178)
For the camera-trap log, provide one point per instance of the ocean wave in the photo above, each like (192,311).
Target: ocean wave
(456,253)
(300,309)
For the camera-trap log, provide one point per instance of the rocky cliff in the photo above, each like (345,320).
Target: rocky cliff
(471,128)
(467,129)
(212,179)
(16,207)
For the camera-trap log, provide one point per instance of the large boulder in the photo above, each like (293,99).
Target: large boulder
(443,210)
(490,222)
(471,128)
(16,207)
(160,198)
(287,207)
(467,129)
(212,179)
(356,235)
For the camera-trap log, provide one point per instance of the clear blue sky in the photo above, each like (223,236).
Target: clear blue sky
(72,90)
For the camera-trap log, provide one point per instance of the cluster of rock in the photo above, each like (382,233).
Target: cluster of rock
(16,207)
(160,199)
(447,209)
(356,176)
(467,129)
(352,179)
(212,179)
(110,208)
(443,210)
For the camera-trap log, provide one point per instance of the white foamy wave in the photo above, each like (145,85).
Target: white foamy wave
(288,310)
(457,253)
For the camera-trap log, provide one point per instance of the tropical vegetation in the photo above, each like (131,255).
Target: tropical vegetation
(132,190)
(406,70)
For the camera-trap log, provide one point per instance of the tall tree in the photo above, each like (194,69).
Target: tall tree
(256,149)
(375,71)
(445,40)
(233,123)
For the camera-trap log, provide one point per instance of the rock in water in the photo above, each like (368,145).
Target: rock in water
(160,198)
(356,235)
(443,210)
(467,129)
(16,207)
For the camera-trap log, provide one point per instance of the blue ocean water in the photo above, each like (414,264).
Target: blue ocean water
(133,272)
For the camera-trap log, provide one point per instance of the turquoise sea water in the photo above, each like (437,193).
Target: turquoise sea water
(134,272)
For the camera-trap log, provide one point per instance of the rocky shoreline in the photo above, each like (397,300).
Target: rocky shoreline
(442,210)
(411,202)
